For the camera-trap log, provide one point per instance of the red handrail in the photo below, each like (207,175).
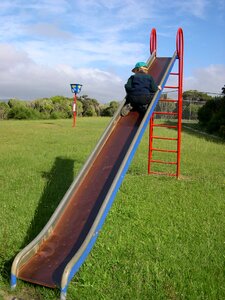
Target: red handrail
(153,41)
(180,43)
(180,55)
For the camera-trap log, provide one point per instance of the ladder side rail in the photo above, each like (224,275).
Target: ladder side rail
(180,54)
(179,88)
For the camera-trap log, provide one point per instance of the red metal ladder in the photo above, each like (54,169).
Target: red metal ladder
(153,124)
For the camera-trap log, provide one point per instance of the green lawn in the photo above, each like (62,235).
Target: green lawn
(163,238)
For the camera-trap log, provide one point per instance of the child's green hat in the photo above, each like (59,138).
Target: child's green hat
(139,64)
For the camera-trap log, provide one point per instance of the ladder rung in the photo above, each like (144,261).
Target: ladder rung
(164,125)
(168,100)
(171,87)
(173,73)
(165,113)
(164,150)
(163,162)
(164,138)
(162,173)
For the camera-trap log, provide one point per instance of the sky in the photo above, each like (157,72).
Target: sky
(47,44)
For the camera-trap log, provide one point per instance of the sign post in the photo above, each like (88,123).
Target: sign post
(75,88)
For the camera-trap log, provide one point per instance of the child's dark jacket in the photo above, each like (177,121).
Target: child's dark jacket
(140,84)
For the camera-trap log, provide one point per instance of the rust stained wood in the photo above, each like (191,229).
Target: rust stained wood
(47,265)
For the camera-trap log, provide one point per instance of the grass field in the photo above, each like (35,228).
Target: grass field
(163,238)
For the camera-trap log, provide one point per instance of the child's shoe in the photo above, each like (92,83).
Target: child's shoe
(126,109)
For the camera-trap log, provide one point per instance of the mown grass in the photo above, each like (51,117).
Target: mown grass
(163,238)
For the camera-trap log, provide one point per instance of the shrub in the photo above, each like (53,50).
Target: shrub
(58,115)
(89,111)
(21,112)
(110,110)
(212,115)
(4,110)
(222,131)
(206,112)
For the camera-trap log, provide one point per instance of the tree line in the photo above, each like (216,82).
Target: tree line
(208,110)
(57,107)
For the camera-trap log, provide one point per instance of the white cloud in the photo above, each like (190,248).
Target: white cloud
(46,30)
(81,51)
(209,79)
(41,6)
(11,58)
(51,44)
(20,77)
(196,8)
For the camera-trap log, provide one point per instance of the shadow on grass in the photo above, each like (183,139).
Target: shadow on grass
(58,180)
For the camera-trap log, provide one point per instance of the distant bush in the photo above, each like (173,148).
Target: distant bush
(43,106)
(212,116)
(58,115)
(207,111)
(22,113)
(222,131)
(4,110)
(90,106)
(55,107)
(89,111)
(110,110)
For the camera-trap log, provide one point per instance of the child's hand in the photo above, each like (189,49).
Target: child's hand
(159,87)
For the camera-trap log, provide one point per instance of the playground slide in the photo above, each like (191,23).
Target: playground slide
(55,255)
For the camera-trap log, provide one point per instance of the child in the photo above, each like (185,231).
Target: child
(140,89)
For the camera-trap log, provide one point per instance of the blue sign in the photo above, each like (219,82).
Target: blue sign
(75,88)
